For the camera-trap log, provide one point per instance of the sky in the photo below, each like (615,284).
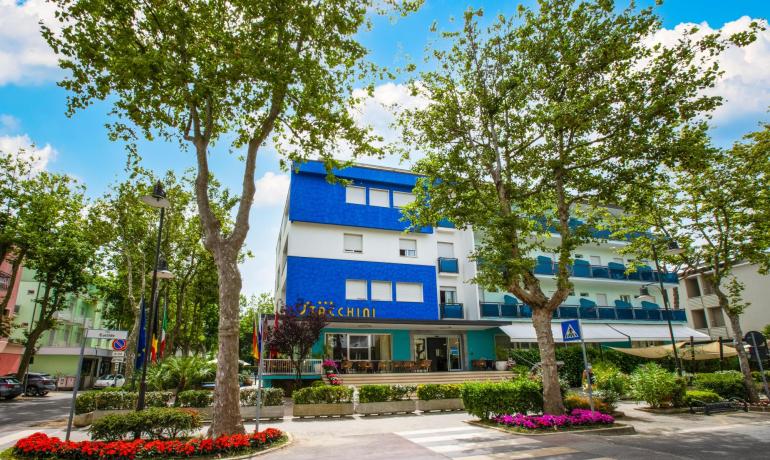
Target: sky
(32,106)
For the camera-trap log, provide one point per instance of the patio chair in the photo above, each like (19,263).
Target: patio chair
(408,366)
(424,365)
(364,366)
(346,367)
(384,366)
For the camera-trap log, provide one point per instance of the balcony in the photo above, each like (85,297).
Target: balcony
(448,265)
(601,313)
(452,311)
(611,271)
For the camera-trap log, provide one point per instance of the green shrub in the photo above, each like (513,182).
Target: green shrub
(270,397)
(374,393)
(318,383)
(704,396)
(158,398)
(153,423)
(680,390)
(654,385)
(85,402)
(727,384)
(328,394)
(575,401)
(609,378)
(430,391)
(758,377)
(195,398)
(608,397)
(116,400)
(399,392)
(486,399)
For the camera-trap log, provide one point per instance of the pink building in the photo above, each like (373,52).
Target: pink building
(10,352)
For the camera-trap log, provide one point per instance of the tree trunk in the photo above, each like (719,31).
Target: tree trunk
(743,359)
(41,326)
(226,392)
(552,400)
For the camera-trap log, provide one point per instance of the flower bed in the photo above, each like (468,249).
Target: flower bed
(39,445)
(577,418)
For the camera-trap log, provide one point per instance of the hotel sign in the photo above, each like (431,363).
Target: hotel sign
(334,311)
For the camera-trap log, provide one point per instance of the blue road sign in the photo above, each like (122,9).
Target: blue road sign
(570,330)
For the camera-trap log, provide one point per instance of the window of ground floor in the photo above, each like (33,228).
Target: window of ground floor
(359,347)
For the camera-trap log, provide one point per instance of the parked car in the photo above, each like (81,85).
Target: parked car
(10,387)
(39,384)
(110,380)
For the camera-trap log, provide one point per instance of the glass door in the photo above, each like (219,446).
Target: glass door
(455,357)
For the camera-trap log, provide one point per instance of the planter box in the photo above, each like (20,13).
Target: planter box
(440,404)
(315,410)
(387,407)
(97,414)
(250,412)
(81,420)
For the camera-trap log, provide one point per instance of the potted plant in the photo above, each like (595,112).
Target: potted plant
(385,399)
(323,400)
(501,353)
(329,366)
(439,397)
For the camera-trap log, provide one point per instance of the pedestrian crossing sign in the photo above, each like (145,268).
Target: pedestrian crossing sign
(570,330)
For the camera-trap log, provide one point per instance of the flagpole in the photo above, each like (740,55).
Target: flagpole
(259,371)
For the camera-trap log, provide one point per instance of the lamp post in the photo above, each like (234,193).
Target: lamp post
(644,294)
(156,200)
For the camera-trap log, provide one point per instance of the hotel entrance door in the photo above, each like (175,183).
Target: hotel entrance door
(437,354)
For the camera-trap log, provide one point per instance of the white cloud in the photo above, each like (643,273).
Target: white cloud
(24,56)
(271,190)
(23,145)
(745,84)
(8,124)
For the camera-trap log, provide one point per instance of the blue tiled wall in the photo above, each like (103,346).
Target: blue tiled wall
(313,199)
(313,280)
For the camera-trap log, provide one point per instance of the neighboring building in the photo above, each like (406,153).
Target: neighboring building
(10,350)
(704,314)
(404,296)
(59,348)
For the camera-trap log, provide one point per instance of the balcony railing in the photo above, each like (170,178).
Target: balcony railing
(613,271)
(448,265)
(283,366)
(452,311)
(500,310)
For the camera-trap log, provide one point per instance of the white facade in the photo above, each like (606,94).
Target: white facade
(704,313)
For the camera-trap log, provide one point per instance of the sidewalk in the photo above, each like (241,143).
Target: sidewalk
(649,423)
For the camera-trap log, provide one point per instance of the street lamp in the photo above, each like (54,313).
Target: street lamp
(156,200)
(644,294)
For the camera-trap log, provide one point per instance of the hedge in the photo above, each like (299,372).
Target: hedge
(195,398)
(727,384)
(489,399)
(153,423)
(328,394)
(270,397)
(704,396)
(575,401)
(383,393)
(656,386)
(430,391)
(118,400)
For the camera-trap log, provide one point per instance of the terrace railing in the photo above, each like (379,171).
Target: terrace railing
(501,310)
(283,366)
(452,311)
(610,272)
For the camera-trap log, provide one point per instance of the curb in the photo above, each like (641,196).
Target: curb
(289,441)
(617,430)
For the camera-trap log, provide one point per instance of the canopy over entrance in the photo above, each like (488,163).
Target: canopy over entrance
(657,332)
(525,332)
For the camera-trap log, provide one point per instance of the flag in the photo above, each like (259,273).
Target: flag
(255,341)
(141,342)
(154,341)
(163,333)
(273,350)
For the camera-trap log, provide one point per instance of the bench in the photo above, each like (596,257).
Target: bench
(729,405)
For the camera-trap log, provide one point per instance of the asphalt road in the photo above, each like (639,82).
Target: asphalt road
(25,412)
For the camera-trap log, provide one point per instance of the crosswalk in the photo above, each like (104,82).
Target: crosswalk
(476,443)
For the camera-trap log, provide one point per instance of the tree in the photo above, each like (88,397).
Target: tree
(718,209)
(545,118)
(295,336)
(60,249)
(193,72)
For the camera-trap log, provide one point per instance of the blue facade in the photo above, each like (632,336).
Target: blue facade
(314,199)
(323,280)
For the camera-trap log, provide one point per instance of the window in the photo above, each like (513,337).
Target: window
(578,256)
(355,195)
(596,260)
(446,250)
(16,308)
(407,248)
(698,319)
(382,290)
(716,318)
(409,292)
(583,294)
(601,299)
(30,291)
(447,294)
(378,197)
(401,199)
(358,347)
(338,344)
(625,298)
(355,290)
(353,243)
(708,287)
(693,290)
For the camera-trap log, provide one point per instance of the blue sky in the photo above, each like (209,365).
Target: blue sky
(32,106)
